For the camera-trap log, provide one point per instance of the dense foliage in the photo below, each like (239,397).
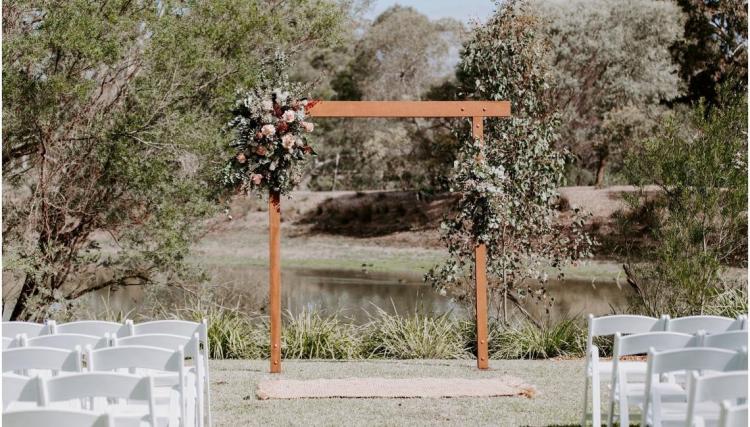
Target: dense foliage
(611,68)
(111,141)
(699,213)
(508,185)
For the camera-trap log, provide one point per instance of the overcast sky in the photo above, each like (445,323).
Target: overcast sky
(463,10)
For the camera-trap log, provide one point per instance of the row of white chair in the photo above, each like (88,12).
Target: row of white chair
(608,326)
(180,388)
(101,334)
(128,399)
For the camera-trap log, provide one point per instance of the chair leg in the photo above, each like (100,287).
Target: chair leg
(585,399)
(624,408)
(596,401)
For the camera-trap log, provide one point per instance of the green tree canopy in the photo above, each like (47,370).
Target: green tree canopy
(111,130)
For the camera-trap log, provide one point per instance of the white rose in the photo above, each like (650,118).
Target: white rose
(288,141)
(288,116)
(268,130)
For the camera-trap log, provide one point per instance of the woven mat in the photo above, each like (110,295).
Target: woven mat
(393,387)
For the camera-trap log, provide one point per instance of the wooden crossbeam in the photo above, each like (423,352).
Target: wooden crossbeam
(365,109)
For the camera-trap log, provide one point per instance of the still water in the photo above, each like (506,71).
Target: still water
(358,294)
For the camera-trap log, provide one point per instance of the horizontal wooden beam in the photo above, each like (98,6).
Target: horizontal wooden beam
(410,109)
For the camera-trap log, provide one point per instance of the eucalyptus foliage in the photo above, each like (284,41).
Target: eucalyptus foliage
(508,184)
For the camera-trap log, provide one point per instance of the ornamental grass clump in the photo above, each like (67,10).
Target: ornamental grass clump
(526,340)
(308,335)
(418,336)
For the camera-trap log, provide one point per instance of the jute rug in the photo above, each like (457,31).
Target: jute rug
(393,388)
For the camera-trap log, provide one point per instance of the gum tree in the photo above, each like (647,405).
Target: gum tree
(508,186)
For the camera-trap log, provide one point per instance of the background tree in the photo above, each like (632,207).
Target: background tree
(111,132)
(713,50)
(398,56)
(611,68)
(508,188)
(699,216)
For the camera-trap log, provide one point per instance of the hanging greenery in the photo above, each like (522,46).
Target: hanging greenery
(270,127)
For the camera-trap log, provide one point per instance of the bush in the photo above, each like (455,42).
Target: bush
(415,337)
(526,340)
(309,335)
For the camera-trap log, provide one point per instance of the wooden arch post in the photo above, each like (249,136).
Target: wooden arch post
(477,110)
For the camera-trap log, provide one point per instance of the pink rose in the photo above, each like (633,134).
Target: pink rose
(288,116)
(256,178)
(268,130)
(307,126)
(241,158)
(288,141)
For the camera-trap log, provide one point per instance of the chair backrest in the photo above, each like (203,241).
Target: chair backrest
(135,357)
(13,342)
(66,341)
(641,343)
(49,417)
(100,384)
(622,323)
(714,388)
(164,341)
(732,340)
(709,324)
(97,328)
(170,327)
(41,358)
(20,389)
(31,329)
(700,358)
(733,416)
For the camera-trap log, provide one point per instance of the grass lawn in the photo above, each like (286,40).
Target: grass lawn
(558,401)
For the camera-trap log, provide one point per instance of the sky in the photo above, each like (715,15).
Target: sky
(463,10)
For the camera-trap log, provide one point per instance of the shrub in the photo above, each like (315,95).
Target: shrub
(526,340)
(309,335)
(415,337)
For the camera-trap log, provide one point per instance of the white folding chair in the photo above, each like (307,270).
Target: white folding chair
(20,392)
(191,347)
(42,360)
(596,369)
(708,324)
(166,366)
(100,390)
(66,341)
(31,329)
(705,393)
(186,329)
(733,416)
(732,340)
(12,342)
(625,391)
(47,417)
(97,328)
(686,359)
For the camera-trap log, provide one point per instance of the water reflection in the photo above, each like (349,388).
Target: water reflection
(356,293)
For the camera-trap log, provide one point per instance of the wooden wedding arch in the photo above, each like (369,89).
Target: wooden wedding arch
(477,110)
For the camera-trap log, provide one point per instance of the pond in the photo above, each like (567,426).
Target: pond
(359,294)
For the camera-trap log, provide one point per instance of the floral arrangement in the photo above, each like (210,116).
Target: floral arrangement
(270,142)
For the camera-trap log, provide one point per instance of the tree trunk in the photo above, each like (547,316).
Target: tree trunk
(28,289)
(601,167)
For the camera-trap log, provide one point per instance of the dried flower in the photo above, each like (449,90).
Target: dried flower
(241,158)
(261,151)
(268,130)
(307,126)
(256,178)
(288,141)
